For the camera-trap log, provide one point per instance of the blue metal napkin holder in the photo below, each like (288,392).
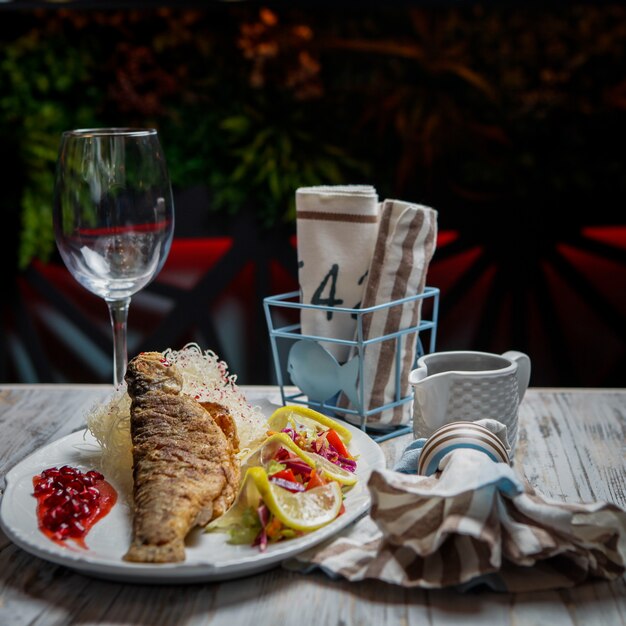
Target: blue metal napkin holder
(309,350)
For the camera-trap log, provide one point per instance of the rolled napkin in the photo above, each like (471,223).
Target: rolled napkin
(404,247)
(448,438)
(473,523)
(336,230)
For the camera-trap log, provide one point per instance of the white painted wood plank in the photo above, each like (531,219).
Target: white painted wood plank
(31,416)
(571,447)
(598,604)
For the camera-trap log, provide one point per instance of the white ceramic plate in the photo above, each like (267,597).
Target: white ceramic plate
(209,557)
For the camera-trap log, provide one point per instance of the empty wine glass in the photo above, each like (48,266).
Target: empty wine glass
(113,217)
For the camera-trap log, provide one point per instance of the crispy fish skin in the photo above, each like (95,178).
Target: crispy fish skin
(185,470)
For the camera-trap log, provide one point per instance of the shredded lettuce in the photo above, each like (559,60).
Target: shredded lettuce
(274,467)
(247,530)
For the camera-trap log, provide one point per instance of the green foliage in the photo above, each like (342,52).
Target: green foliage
(44,89)
(271,156)
(453,107)
(67,69)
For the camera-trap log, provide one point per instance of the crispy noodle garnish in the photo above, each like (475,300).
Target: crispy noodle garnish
(206,379)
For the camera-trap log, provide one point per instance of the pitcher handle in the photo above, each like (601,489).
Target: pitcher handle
(523,370)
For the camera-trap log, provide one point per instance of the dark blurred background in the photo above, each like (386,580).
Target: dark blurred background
(509,119)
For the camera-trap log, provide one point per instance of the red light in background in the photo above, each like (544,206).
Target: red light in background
(611,235)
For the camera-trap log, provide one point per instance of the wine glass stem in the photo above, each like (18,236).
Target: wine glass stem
(118,310)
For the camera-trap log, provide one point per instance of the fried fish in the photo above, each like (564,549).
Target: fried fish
(184,465)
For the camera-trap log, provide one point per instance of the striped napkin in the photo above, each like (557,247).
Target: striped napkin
(404,247)
(473,523)
(336,228)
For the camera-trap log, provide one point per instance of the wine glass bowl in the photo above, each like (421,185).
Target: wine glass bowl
(113,217)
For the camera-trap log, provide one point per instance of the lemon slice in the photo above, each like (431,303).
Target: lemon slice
(307,417)
(331,471)
(303,511)
(266,452)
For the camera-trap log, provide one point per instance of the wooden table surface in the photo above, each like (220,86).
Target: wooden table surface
(572,447)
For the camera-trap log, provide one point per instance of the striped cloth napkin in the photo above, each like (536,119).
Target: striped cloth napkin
(473,523)
(336,228)
(404,247)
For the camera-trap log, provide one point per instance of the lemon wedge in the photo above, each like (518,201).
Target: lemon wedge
(330,471)
(267,450)
(303,511)
(307,417)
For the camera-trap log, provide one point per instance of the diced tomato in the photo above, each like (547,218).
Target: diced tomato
(336,442)
(315,481)
(286,474)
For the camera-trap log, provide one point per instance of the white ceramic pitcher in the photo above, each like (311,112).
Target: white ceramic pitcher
(467,386)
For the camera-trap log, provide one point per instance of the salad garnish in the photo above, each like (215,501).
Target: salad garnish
(294,482)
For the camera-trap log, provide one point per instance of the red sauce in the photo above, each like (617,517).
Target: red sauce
(70,502)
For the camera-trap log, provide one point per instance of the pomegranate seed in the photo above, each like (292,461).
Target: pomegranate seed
(44,486)
(75,528)
(69,500)
(55,516)
(91,494)
(63,531)
(85,510)
(56,499)
(63,511)
(49,521)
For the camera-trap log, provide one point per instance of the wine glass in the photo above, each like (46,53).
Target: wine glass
(113,217)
